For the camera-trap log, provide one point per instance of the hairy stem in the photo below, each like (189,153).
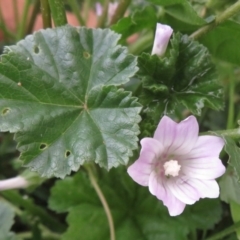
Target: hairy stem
(121,9)
(225,232)
(103,201)
(15,198)
(46,14)
(228,13)
(233,133)
(58,12)
(75,8)
(230,120)
(102,19)
(141,44)
(33,17)
(22,26)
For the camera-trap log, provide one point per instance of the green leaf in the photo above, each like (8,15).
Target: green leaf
(198,216)
(185,76)
(136,22)
(223,42)
(233,152)
(179,14)
(58,93)
(230,187)
(137,214)
(6,221)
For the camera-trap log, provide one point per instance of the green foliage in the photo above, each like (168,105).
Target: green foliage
(136,22)
(6,221)
(233,152)
(58,93)
(179,14)
(230,188)
(137,214)
(223,42)
(185,76)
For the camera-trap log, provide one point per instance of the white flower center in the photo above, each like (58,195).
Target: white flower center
(171,168)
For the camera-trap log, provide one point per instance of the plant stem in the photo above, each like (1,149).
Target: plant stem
(76,10)
(231,11)
(141,44)
(102,19)
(33,17)
(58,12)
(86,7)
(15,198)
(225,232)
(103,201)
(233,133)
(22,26)
(121,9)
(16,13)
(46,14)
(230,121)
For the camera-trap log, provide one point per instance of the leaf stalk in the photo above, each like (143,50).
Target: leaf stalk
(103,201)
(231,11)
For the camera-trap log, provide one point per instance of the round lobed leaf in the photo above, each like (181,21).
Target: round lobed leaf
(58,93)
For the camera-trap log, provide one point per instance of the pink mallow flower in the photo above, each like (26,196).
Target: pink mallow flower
(177,165)
(162,36)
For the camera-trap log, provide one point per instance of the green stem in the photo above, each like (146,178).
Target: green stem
(58,12)
(228,13)
(141,44)
(120,11)
(22,26)
(46,14)
(225,232)
(233,133)
(102,19)
(86,7)
(103,201)
(33,17)
(230,121)
(16,13)
(15,198)
(75,8)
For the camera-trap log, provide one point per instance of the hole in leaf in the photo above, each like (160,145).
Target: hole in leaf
(43,146)
(36,49)
(67,153)
(5,111)
(86,55)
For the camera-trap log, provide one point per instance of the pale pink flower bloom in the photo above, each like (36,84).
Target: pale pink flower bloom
(99,9)
(177,165)
(112,7)
(162,36)
(13,183)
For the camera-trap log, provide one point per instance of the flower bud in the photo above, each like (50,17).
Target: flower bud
(162,36)
(27,179)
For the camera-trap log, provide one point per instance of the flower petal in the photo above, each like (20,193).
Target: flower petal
(140,172)
(162,36)
(157,188)
(152,146)
(205,188)
(141,169)
(178,138)
(206,146)
(203,168)
(182,190)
